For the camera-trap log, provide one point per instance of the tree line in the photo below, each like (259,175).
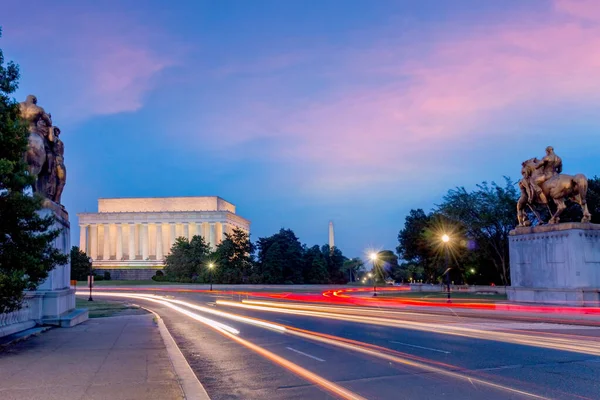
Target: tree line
(277,259)
(478,223)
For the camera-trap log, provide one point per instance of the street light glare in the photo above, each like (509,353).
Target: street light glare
(373,256)
(445,238)
(211,265)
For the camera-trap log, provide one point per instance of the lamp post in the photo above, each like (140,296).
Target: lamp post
(210,268)
(446,241)
(91,279)
(373,257)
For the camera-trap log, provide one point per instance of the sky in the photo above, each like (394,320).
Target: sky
(302,112)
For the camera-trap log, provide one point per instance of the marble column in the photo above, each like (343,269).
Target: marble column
(206,232)
(173,229)
(119,244)
(218,232)
(94,241)
(193,230)
(106,247)
(159,242)
(186,231)
(83,238)
(145,243)
(132,241)
(212,236)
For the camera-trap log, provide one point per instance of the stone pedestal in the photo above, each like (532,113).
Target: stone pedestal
(555,264)
(55,293)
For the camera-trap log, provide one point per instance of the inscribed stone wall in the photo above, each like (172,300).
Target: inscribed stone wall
(157,204)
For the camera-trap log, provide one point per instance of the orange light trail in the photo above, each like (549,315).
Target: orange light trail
(547,340)
(231,333)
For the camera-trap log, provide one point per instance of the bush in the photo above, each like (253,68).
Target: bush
(288,283)
(159,273)
(98,278)
(160,278)
(106,275)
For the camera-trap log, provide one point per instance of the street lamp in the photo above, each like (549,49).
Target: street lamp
(373,258)
(446,241)
(91,278)
(210,268)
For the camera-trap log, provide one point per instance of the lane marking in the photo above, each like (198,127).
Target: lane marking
(304,354)
(283,320)
(420,347)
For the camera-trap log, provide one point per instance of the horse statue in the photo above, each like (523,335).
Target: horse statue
(543,180)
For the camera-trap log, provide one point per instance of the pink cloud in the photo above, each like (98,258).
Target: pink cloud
(87,62)
(487,77)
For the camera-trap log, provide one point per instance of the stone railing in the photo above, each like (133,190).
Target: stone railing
(424,287)
(24,318)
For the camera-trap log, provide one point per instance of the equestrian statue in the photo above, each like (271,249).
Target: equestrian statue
(542,181)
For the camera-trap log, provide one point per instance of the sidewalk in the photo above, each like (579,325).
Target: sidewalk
(112,358)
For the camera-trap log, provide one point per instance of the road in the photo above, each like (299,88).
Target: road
(322,351)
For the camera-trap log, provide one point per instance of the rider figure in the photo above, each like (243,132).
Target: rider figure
(551,165)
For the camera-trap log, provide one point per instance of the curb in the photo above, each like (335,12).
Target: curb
(9,340)
(191,386)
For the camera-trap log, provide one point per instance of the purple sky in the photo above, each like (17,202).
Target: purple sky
(304,111)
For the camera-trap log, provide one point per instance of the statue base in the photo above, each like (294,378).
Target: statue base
(555,264)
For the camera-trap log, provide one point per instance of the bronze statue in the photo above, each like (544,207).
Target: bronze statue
(543,180)
(45,152)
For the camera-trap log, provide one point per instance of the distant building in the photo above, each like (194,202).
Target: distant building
(130,237)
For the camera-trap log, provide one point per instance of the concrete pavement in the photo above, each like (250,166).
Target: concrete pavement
(104,358)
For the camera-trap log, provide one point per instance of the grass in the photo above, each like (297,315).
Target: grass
(103,308)
(443,295)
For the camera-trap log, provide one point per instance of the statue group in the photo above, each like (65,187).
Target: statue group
(45,153)
(542,181)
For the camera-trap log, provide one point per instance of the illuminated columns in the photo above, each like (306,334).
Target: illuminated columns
(94,241)
(106,247)
(119,244)
(132,241)
(193,230)
(186,231)
(172,228)
(212,235)
(218,232)
(159,242)
(206,232)
(145,242)
(83,238)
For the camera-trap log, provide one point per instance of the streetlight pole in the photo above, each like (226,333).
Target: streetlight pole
(374,258)
(91,279)
(446,240)
(210,268)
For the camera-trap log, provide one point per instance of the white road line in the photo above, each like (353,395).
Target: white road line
(283,320)
(304,354)
(420,347)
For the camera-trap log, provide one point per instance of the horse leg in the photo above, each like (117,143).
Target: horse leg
(581,183)
(521,214)
(560,207)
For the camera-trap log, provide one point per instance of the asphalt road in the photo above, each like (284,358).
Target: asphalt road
(401,355)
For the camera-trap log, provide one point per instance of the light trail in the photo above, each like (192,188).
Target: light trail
(543,340)
(231,333)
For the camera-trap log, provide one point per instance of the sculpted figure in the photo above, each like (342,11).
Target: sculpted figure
(60,171)
(543,180)
(45,152)
(550,165)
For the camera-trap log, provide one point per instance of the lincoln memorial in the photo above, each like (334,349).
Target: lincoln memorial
(130,237)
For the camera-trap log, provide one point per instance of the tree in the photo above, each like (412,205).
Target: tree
(352,268)
(27,253)
(187,259)
(283,263)
(335,263)
(81,264)
(233,258)
(315,266)
(386,265)
(415,242)
(487,215)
